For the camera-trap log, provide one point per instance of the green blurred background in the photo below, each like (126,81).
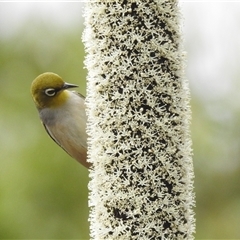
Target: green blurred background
(43,192)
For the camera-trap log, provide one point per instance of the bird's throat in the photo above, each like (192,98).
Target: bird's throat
(59,99)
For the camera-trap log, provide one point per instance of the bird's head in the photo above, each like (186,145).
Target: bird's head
(48,90)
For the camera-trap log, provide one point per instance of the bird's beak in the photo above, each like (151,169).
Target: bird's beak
(69,85)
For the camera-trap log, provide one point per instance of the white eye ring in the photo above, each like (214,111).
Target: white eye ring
(50,92)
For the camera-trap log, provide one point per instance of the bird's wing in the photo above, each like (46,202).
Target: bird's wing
(53,138)
(79,94)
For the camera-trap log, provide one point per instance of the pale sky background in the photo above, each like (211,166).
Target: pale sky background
(211,31)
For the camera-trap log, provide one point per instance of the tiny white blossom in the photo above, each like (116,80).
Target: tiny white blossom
(138,121)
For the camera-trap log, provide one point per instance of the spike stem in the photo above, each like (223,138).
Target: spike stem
(138,121)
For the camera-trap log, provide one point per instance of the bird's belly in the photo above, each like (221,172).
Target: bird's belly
(70,133)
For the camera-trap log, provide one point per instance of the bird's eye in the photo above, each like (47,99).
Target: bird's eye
(50,92)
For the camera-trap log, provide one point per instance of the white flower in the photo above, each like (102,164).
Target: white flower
(138,108)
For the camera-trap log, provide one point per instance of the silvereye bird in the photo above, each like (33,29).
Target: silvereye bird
(62,113)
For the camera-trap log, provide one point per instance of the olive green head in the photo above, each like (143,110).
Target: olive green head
(49,90)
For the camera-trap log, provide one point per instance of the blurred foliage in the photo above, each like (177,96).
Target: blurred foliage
(43,192)
(216,158)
